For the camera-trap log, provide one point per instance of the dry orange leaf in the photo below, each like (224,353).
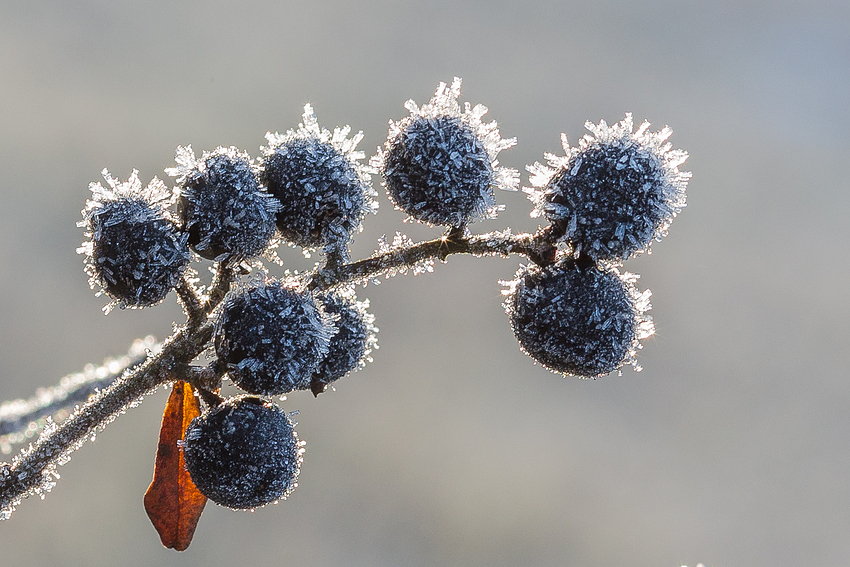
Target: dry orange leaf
(172,502)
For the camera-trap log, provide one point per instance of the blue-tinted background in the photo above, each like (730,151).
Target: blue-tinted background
(732,447)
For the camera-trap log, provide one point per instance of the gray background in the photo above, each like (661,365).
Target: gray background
(453,448)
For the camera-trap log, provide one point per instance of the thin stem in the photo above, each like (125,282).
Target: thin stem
(538,247)
(33,470)
(189,299)
(224,277)
(202,377)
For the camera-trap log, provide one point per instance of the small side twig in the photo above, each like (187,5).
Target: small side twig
(188,297)
(224,277)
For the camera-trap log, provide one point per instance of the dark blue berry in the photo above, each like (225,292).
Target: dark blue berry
(222,206)
(323,197)
(615,193)
(270,338)
(243,453)
(615,207)
(349,346)
(575,317)
(137,255)
(438,171)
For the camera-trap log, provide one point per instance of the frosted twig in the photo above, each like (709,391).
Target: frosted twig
(224,276)
(188,296)
(537,247)
(20,420)
(33,471)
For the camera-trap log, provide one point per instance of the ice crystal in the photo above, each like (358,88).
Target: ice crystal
(134,254)
(577,319)
(615,192)
(270,337)
(391,249)
(227,214)
(439,164)
(243,453)
(323,188)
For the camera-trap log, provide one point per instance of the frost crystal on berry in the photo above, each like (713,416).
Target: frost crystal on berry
(579,319)
(615,192)
(135,253)
(323,189)
(243,453)
(270,338)
(350,348)
(439,164)
(227,214)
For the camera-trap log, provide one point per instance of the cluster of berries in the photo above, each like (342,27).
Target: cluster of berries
(607,200)
(573,312)
(308,185)
(271,336)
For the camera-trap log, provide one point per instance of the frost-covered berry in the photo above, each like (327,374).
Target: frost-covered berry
(323,190)
(270,338)
(243,453)
(614,193)
(439,164)
(226,213)
(135,254)
(578,318)
(350,347)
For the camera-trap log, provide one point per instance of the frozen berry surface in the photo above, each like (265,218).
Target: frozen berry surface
(270,338)
(576,319)
(243,453)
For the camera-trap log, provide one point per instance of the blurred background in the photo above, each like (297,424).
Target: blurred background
(453,448)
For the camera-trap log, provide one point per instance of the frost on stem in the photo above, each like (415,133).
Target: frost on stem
(439,164)
(615,192)
(34,471)
(135,253)
(323,189)
(399,245)
(23,420)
